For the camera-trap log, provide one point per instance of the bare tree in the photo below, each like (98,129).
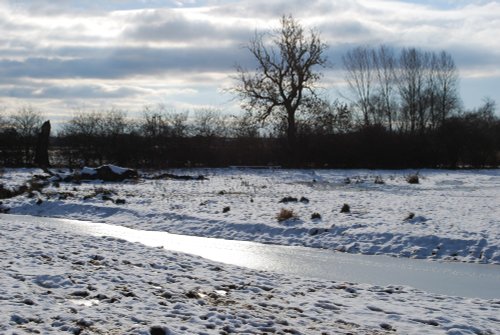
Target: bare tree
(487,110)
(114,123)
(154,122)
(179,124)
(158,121)
(447,86)
(359,68)
(411,83)
(27,122)
(385,66)
(83,124)
(244,126)
(83,131)
(327,118)
(209,123)
(284,81)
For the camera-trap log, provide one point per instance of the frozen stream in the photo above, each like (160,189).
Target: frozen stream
(458,279)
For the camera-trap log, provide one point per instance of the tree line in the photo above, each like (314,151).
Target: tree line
(401,109)
(413,91)
(330,135)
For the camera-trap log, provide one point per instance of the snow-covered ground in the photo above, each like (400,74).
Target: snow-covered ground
(456,213)
(60,283)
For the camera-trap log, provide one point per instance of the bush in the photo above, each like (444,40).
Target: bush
(316,216)
(345,209)
(285,214)
(413,179)
(288,199)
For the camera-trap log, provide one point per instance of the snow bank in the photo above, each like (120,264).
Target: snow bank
(455,214)
(55,283)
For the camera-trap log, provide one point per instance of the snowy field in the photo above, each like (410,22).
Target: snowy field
(60,283)
(456,214)
(55,282)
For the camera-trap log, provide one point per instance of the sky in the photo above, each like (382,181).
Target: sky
(65,56)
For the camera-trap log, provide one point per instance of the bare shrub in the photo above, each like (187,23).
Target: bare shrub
(103,192)
(316,216)
(288,199)
(345,209)
(413,179)
(409,217)
(285,214)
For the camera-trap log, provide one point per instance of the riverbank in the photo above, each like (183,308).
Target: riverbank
(55,282)
(448,215)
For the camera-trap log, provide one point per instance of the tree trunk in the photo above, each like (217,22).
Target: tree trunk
(292,138)
(42,146)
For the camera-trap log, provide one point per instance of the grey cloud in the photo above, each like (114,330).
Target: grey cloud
(467,57)
(67,92)
(53,8)
(85,91)
(126,62)
(344,29)
(274,9)
(167,25)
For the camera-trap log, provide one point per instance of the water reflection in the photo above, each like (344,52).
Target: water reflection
(467,280)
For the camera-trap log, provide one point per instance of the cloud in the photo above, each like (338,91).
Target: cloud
(170,25)
(116,63)
(133,50)
(69,92)
(275,9)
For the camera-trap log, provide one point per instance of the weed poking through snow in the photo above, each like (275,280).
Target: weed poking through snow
(345,209)
(413,179)
(285,214)
(315,216)
(409,217)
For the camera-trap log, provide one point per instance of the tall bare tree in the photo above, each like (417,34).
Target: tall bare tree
(447,86)
(285,79)
(385,65)
(411,83)
(359,68)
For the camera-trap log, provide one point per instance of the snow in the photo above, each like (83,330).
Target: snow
(59,283)
(456,214)
(53,282)
(88,171)
(93,171)
(118,169)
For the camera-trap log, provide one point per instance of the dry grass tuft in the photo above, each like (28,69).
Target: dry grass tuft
(285,214)
(413,179)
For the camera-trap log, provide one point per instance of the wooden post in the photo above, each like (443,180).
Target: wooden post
(42,146)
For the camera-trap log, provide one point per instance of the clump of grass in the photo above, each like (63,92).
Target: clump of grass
(35,186)
(345,209)
(6,193)
(285,214)
(413,179)
(409,216)
(103,192)
(315,216)
(286,200)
